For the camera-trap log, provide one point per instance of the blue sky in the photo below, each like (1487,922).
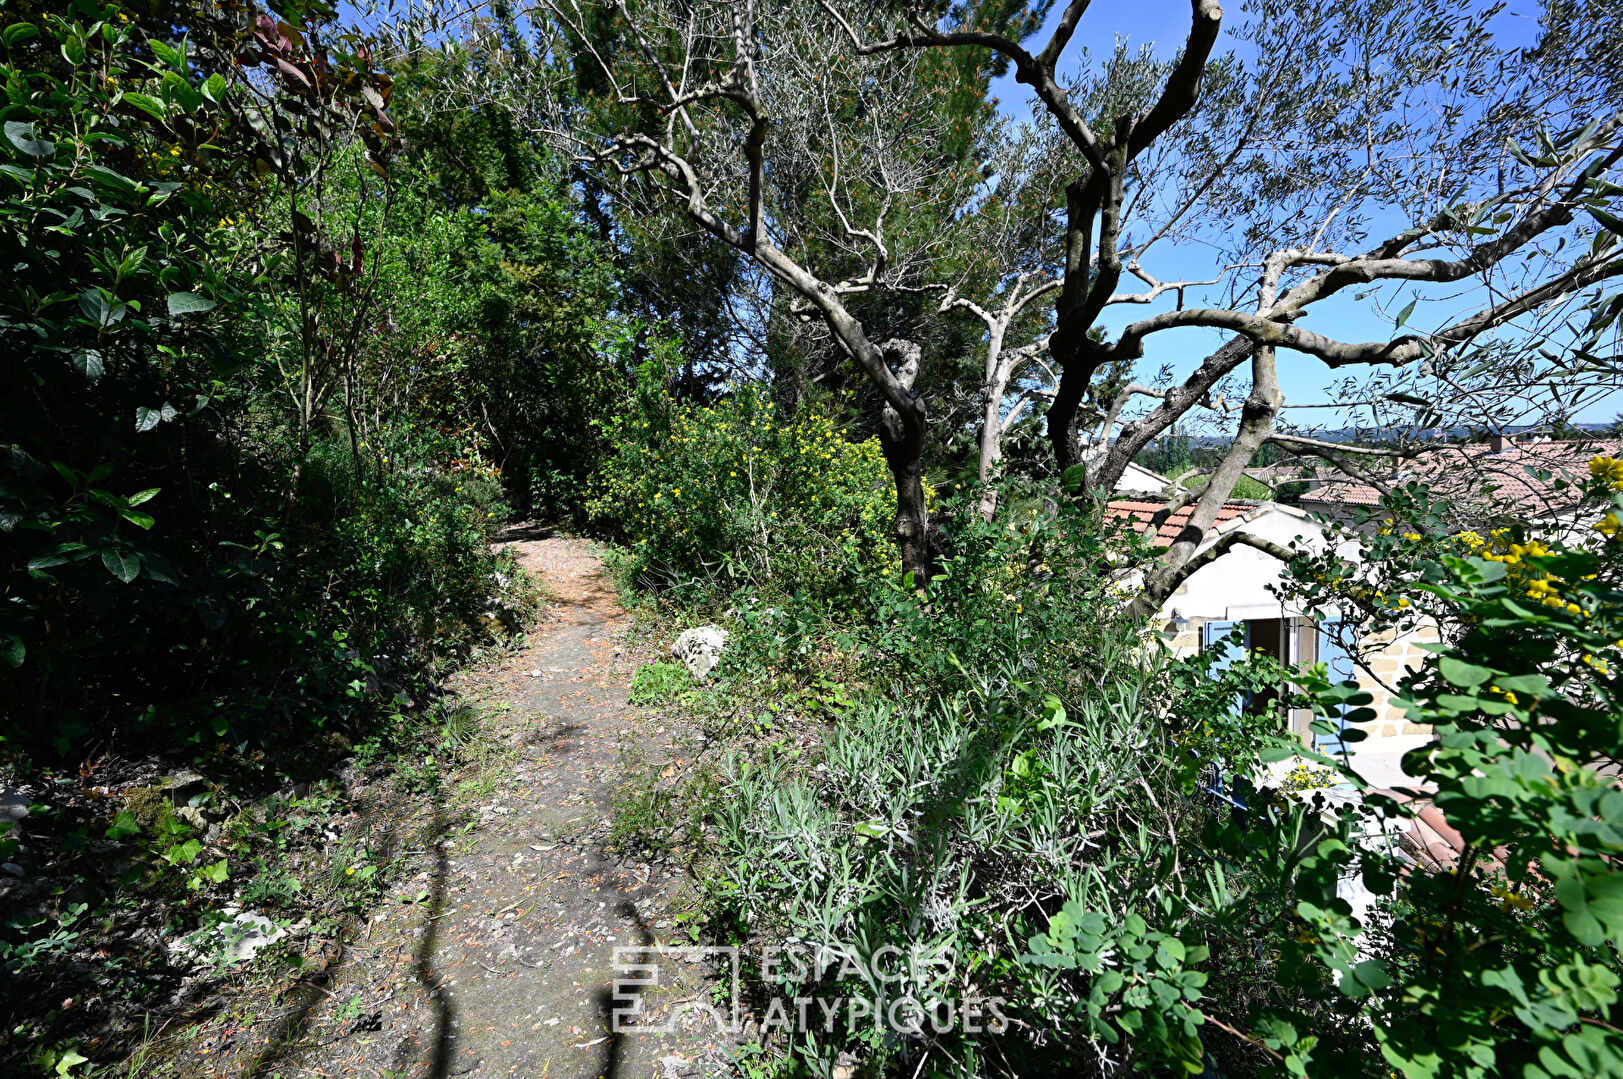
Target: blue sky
(1304,380)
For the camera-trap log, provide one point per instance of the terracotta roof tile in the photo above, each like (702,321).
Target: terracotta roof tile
(1462,473)
(1143,510)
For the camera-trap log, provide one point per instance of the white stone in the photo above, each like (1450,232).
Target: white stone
(700,649)
(13,805)
(244,935)
(239,938)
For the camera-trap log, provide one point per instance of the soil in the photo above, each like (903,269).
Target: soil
(495,955)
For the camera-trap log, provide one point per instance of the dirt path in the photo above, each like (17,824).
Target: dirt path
(505,966)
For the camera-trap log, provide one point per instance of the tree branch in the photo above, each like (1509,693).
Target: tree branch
(1028,69)
(1149,601)
(1183,86)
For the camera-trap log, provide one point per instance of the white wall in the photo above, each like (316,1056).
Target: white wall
(1236,585)
(1139,480)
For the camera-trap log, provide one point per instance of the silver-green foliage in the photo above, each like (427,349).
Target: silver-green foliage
(950,827)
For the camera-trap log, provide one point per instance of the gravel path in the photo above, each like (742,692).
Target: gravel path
(506,966)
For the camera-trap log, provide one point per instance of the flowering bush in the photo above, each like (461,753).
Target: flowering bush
(1507,961)
(738,489)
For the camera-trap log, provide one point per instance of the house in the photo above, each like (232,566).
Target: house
(1534,479)
(1139,480)
(1234,592)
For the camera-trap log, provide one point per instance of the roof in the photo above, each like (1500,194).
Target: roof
(1143,510)
(1134,469)
(1477,472)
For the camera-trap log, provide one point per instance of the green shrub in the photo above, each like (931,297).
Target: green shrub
(656,683)
(1034,797)
(188,557)
(1018,746)
(735,491)
(1246,487)
(1506,963)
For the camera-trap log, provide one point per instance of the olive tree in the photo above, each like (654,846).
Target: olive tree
(830,172)
(1353,149)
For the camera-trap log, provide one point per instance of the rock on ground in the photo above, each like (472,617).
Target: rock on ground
(700,649)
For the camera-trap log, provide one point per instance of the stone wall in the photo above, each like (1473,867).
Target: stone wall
(1389,656)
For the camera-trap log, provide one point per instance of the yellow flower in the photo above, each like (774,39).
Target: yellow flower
(1609,469)
(1512,899)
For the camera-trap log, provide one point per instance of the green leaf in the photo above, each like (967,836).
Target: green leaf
(1611,222)
(121,564)
(88,363)
(12,650)
(146,418)
(64,553)
(1403,316)
(171,56)
(1372,973)
(19,32)
(214,88)
(1462,674)
(1531,685)
(143,496)
(158,568)
(151,106)
(183,853)
(1408,399)
(1578,918)
(25,138)
(94,305)
(123,825)
(106,177)
(215,873)
(188,303)
(68,1060)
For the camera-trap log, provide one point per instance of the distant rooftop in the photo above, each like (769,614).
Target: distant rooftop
(1500,472)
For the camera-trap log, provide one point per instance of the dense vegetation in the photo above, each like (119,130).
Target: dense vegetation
(298,317)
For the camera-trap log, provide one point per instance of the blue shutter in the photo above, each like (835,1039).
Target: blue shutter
(1341,667)
(1215,636)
